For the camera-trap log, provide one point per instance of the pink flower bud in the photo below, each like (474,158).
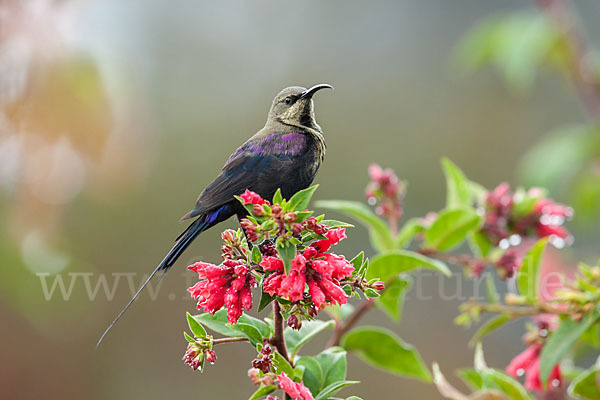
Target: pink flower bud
(228,235)
(258,210)
(254,375)
(378,286)
(211,357)
(290,217)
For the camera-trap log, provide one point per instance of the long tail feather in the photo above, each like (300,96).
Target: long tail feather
(183,241)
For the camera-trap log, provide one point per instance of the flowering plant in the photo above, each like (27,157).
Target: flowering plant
(285,255)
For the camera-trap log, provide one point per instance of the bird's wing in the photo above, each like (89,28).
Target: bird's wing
(247,167)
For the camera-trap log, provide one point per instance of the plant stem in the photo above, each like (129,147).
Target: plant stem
(514,311)
(230,340)
(344,326)
(278,339)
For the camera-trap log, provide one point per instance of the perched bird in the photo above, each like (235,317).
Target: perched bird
(285,154)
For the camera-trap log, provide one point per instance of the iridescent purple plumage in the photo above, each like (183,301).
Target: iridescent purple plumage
(276,143)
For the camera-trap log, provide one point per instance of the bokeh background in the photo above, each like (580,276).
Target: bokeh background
(114,115)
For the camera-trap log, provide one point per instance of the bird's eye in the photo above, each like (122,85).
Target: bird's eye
(288,100)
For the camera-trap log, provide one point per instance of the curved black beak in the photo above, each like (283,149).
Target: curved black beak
(309,92)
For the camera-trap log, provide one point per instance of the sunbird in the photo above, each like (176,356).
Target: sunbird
(286,154)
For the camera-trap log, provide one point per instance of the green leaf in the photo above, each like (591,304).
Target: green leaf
(250,332)
(295,339)
(457,186)
(586,385)
(256,256)
(409,230)
(332,223)
(287,252)
(471,377)
(313,373)
(260,325)
(451,227)
(263,391)
(333,363)
(494,379)
(300,200)
(507,385)
(380,235)
(358,260)
(392,298)
(277,197)
(490,325)
(326,368)
(561,340)
(281,364)
(385,350)
(197,329)
(218,323)
(265,300)
(390,264)
(480,244)
(564,152)
(188,337)
(516,45)
(528,274)
(333,388)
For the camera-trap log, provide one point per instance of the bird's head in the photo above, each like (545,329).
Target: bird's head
(294,106)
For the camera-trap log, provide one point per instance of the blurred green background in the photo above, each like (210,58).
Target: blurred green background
(114,115)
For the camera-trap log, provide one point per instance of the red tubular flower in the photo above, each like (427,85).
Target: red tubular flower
(334,236)
(228,284)
(319,270)
(296,390)
(544,230)
(250,197)
(528,363)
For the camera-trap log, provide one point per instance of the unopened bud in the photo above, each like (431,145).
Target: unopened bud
(297,229)
(258,210)
(378,286)
(228,235)
(254,375)
(276,209)
(211,357)
(290,217)
(293,322)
